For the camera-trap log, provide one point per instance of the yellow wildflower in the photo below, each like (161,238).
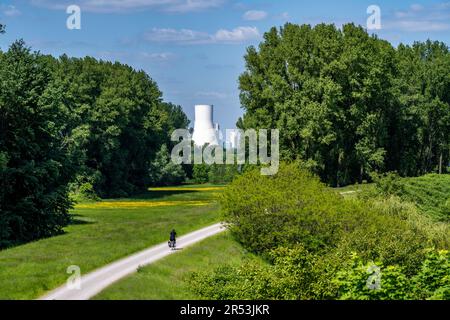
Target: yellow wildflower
(138,204)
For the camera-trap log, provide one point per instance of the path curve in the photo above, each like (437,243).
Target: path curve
(95,281)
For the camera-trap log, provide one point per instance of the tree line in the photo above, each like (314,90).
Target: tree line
(349,103)
(71,122)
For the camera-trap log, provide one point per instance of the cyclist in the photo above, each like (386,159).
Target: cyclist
(173,236)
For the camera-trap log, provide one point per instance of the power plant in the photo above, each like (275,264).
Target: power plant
(205,132)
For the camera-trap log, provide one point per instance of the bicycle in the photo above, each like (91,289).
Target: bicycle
(172,244)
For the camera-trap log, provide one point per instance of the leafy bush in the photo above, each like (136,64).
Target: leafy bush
(294,207)
(297,275)
(163,172)
(201,173)
(374,282)
(222,174)
(84,192)
(266,211)
(389,184)
(292,276)
(82,189)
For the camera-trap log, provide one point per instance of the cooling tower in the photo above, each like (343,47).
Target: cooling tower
(204,130)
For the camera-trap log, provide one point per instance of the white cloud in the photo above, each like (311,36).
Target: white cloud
(444,5)
(418,18)
(285,16)
(240,34)
(177,36)
(147,57)
(187,36)
(111,6)
(9,10)
(421,26)
(161,56)
(212,94)
(412,11)
(417,7)
(255,15)
(194,5)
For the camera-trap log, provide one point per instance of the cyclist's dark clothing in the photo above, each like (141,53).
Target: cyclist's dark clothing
(173,234)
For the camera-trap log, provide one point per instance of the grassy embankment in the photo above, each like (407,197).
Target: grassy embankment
(431,194)
(167,278)
(103,232)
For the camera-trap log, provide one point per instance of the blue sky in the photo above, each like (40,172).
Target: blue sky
(194,49)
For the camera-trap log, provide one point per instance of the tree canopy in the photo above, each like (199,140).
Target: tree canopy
(35,167)
(348,103)
(73,121)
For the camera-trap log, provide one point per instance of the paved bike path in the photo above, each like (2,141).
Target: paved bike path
(94,282)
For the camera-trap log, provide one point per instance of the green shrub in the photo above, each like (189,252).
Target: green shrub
(82,189)
(86,192)
(163,172)
(200,173)
(297,274)
(433,280)
(436,233)
(371,281)
(265,212)
(292,276)
(294,207)
(232,283)
(222,174)
(389,184)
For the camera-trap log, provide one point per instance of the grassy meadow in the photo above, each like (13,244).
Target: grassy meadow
(167,278)
(103,232)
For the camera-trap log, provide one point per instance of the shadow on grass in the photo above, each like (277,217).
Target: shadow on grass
(77,219)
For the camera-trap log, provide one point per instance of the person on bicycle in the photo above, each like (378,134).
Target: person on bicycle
(173,236)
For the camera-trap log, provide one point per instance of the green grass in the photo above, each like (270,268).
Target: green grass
(431,193)
(354,187)
(98,237)
(167,278)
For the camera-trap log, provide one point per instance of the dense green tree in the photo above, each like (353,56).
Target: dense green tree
(88,126)
(423,90)
(118,122)
(348,103)
(35,163)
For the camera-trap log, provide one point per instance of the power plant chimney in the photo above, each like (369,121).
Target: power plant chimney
(204,130)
